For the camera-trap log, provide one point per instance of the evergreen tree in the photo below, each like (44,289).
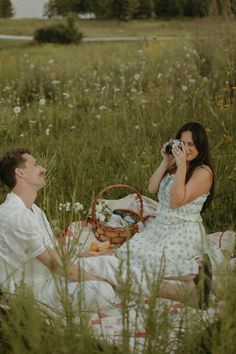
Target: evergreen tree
(135,8)
(60,7)
(102,8)
(83,6)
(6,9)
(146,8)
(168,8)
(122,9)
(198,8)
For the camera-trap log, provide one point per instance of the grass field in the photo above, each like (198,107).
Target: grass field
(98,114)
(94,28)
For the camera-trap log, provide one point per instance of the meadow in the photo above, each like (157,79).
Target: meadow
(96,115)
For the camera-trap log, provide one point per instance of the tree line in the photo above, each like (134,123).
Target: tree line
(131,9)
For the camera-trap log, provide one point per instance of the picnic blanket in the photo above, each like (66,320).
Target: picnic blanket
(110,323)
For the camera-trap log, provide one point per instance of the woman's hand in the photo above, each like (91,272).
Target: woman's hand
(179,154)
(169,159)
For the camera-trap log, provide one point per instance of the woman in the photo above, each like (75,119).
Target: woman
(184,181)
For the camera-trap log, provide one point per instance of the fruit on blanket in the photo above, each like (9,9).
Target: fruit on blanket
(95,247)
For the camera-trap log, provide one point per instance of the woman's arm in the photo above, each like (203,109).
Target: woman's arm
(155,180)
(199,183)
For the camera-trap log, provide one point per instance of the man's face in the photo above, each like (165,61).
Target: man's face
(32,172)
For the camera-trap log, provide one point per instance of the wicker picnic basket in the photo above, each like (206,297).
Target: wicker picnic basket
(116,235)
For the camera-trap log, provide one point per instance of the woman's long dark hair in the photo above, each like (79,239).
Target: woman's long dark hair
(200,140)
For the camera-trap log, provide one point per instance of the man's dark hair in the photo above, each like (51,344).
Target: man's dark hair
(9,162)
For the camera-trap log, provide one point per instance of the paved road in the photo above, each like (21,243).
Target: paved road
(99,39)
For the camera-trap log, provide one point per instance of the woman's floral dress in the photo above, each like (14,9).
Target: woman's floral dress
(174,240)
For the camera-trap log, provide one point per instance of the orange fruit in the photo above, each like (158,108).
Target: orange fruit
(94,247)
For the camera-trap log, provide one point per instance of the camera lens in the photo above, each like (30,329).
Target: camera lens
(170,145)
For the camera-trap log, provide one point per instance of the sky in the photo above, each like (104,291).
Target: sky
(28,8)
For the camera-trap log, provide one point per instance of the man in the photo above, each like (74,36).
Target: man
(28,249)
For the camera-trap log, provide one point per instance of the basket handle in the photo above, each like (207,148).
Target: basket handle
(106,189)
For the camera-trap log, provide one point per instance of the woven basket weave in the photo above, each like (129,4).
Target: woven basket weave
(116,235)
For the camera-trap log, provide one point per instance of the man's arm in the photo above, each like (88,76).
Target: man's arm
(51,259)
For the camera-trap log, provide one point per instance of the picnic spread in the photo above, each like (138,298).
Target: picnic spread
(108,322)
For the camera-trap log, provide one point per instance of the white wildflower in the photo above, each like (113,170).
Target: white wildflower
(17,110)
(7,88)
(184,88)
(47,131)
(61,206)
(32,121)
(133,90)
(140,51)
(51,61)
(102,107)
(159,76)
(78,206)
(136,127)
(50,125)
(42,101)
(136,77)
(31,66)
(72,127)
(56,82)
(86,90)
(65,95)
(70,105)
(192,81)
(154,124)
(22,135)
(116,89)
(67,206)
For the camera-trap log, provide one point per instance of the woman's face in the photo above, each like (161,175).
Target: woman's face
(190,147)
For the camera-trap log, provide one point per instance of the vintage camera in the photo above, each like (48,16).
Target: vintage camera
(170,145)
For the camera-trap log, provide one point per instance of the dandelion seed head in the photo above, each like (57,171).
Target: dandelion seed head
(42,101)
(17,110)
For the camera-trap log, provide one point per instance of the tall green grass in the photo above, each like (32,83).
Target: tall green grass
(97,115)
